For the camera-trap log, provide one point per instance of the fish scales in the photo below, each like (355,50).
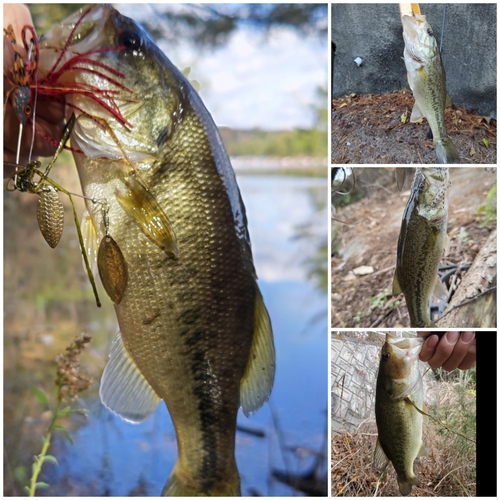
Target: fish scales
(187,304)
(199,291)
(194,330)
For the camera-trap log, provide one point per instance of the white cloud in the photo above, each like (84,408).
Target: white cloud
(260,81)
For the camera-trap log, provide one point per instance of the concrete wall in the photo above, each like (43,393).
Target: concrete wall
(374,33)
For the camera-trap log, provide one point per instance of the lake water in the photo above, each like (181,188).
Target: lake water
(288,224)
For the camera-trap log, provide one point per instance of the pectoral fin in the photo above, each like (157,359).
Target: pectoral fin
(143,208)
(258,379)
(124,390)
(416,114)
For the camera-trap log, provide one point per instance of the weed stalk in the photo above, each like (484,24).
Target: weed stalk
(70,381)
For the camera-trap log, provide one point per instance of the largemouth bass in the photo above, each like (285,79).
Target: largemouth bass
(399,394)
(427,80)
(160,189)
(420,245)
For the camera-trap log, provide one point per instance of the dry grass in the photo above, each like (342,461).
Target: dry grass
(370,128)
(447,470)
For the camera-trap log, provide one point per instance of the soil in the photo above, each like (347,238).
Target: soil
(376,129)
(365,233)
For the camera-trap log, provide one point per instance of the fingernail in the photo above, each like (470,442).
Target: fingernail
(432,342)
(452,337)
(467,337)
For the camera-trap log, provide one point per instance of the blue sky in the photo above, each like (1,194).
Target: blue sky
(256,80)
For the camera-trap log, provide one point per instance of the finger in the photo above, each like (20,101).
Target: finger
(41,145)
(470,359)
(444,349)
(460,350)
(429,348)
(18,15)
(50,111)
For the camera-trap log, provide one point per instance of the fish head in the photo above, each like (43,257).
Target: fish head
(433,188)
(420,43)
(137,93)
(399,364)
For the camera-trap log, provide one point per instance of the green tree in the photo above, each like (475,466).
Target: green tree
(208,25)
(211,25)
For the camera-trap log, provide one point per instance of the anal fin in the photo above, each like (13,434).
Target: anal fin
(396,287)
(439,290)
(124,390)
(380,459)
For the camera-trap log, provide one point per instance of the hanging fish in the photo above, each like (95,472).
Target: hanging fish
(427,80)
(194,330)
(421,242)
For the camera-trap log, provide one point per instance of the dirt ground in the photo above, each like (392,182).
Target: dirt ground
(377,129)
(368,233)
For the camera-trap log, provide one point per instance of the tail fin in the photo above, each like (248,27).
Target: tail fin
(405,486)
(446,152)
(175,488)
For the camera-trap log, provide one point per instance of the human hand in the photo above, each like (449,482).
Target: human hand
(49,119)
(452,350)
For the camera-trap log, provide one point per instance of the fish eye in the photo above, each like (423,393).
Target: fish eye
(385,356)
(131,40)
(430,32)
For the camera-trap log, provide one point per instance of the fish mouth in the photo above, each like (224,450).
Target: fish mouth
(436,173)
(407,348)
(438,219)
(420,45)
